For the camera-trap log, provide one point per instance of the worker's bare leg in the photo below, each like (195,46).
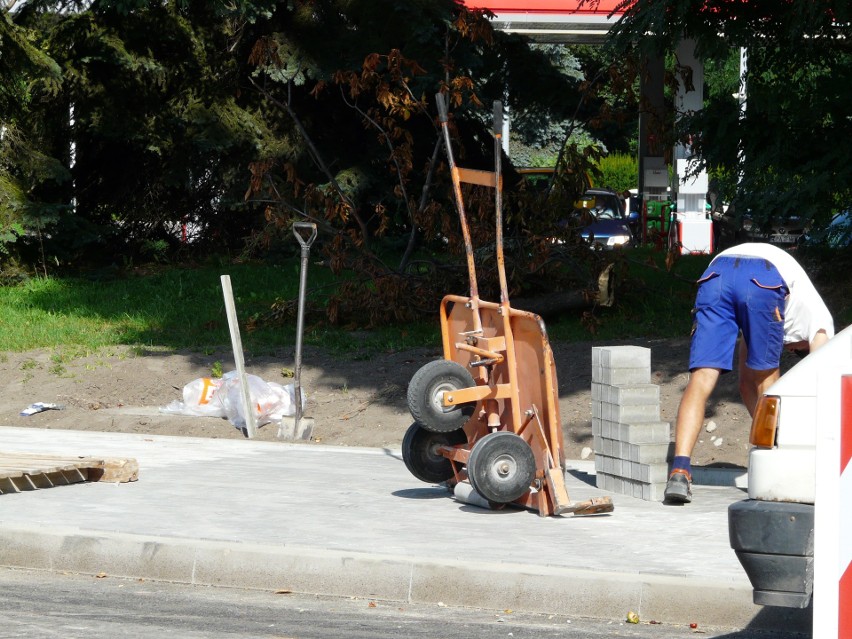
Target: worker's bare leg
(690,419)
(753,382)
(693,404)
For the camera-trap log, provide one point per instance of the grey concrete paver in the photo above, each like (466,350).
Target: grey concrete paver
(353,521)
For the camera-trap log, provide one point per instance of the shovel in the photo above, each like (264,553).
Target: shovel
(297,427)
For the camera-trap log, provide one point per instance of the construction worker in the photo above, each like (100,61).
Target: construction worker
(761,292)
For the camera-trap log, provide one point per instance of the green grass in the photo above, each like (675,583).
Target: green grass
(183,308)
(651,302)
(175,308)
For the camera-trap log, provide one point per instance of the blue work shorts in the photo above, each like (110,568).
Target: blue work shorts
(738,294)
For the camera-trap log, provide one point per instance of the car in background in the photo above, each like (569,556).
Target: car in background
(837,234)
(772,532)
(601,220)
(782,232)
(729,229)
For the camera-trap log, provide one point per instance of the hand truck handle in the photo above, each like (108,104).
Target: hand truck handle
(498,117)
(442,107)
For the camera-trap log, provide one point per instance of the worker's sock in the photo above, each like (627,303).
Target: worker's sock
(682,462)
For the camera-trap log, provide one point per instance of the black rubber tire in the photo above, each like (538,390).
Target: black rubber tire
(420,457)
(501,467)
(425,392)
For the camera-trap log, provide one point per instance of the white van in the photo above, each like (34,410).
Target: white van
(772,531)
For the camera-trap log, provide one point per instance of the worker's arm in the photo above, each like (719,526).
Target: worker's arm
(819,339)
(804,347)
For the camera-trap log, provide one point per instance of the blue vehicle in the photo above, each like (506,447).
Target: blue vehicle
(601,220)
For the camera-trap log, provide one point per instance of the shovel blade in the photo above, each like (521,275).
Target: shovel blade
(289,430)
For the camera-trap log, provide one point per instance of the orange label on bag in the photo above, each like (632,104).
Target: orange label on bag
(207,391)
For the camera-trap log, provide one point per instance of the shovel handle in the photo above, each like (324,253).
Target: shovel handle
(298,230)
(442,107)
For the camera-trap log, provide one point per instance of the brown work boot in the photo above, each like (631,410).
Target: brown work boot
(679,487)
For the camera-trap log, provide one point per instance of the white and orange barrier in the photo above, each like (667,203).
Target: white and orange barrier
(833,515)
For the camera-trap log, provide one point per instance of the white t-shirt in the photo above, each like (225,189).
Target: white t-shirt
(804,313)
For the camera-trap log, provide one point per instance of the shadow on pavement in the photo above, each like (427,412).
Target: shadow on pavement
(586,478)
(422,493)
(773,621)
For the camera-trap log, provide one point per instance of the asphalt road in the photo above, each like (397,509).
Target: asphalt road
(45,605)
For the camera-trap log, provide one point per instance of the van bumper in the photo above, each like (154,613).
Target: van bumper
(774,542)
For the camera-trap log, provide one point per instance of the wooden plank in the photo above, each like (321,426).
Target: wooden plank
(30,471)
(475,176)
(118,470)
(29,467)
(39,480)
(17,457)
(8,486)
(72,475)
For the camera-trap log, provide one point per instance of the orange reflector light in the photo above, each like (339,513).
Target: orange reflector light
(765,422)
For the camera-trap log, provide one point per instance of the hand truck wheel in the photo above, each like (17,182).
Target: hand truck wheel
(501,467)
(421,456)
(425,396)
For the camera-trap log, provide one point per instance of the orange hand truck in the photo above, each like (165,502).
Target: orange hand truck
(488,412)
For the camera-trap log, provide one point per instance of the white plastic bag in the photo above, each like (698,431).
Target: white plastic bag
(200,397)
(270,401)
(224,398)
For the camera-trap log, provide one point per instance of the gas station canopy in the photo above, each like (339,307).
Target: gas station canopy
(553,21)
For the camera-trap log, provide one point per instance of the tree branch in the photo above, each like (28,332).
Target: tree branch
(427,184)
(317,158)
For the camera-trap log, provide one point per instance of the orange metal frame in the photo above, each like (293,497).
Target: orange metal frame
(516,343)
(509,355)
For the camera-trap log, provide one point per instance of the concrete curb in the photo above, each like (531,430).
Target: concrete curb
(498,586)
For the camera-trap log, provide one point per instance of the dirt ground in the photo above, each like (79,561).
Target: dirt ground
(355,401)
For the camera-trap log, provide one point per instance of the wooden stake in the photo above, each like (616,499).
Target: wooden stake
(237,345)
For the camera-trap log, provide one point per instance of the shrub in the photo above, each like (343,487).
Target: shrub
(619,172)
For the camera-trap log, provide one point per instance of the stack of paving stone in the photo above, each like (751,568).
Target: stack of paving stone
(632,446)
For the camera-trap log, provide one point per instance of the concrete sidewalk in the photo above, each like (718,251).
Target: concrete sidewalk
(354,522)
